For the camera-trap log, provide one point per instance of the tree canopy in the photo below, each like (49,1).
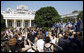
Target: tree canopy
(80,15)
(75,11)
(2,23)
(46,16)
(2,20)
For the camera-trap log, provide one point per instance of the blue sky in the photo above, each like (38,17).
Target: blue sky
(63,7)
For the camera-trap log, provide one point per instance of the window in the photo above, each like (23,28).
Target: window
(26,23)
(10,23)
(18,23)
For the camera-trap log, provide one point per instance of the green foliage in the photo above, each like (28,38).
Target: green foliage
(45,28)
(2,23)
(80,15)
(75,11)
(46,16)
(2,20)
(68,19)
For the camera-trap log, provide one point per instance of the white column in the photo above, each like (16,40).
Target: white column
(14,23)
(30,23)
(22,23)
(6,22)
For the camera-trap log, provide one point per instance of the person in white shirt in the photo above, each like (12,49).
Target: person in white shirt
(40,45)
(53,39)
(11,34)
(20,36)
(63,26)
(23,36)
(7,32)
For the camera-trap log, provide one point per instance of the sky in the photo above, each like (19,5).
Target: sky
(63,7)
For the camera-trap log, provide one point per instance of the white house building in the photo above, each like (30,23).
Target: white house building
(74,15)
(20,17)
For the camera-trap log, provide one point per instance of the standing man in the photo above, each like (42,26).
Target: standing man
(76,25)
(46,33)
(79,24)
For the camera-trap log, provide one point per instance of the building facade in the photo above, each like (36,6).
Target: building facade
(20,17)
(74,15)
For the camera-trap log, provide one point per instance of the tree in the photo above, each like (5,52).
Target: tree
(75,11)
(2,23)
(66,19)
(80,15)
(2,20)
(46,16)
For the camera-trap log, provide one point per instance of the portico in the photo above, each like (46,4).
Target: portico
(21,17)
(18,23)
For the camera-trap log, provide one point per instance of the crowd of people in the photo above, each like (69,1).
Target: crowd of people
(61,37)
